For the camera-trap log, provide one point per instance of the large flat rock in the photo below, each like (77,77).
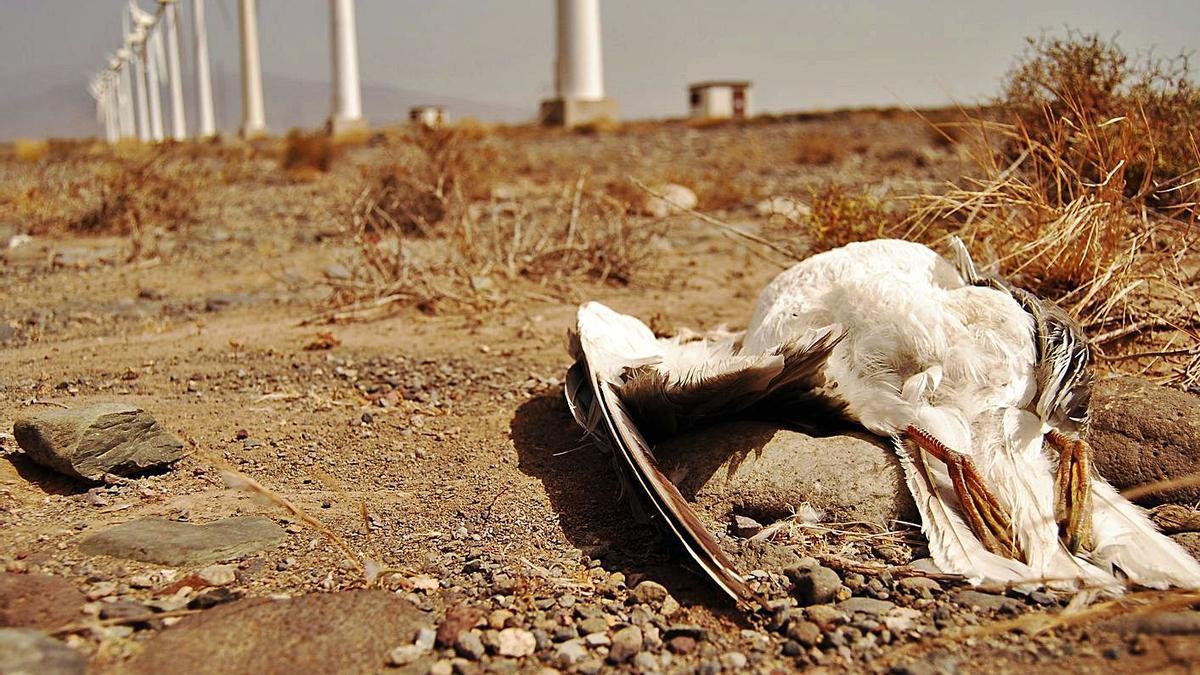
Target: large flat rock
(760,470)
(167,542)
(29,652)
(1142,432)
(38,601)
(89,442)
(348,632)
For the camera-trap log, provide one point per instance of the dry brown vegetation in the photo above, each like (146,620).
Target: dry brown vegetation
(1086,193)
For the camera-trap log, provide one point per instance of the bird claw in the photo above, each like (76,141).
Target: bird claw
(1073,491)
(986,516)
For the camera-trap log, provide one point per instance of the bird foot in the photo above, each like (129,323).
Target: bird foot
(988,519)
(1073,491)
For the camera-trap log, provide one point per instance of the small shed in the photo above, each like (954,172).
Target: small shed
(719,99)
(427,115)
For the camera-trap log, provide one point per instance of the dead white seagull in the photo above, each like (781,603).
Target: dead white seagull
(982,387)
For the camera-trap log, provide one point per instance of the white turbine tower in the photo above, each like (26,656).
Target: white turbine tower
(347,91)
(152,53)
(204,98)
(124,93)
(579,69)
(170,9)
(98,88)
(134,42)
(254,117)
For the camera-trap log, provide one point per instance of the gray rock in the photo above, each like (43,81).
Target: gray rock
(115,438)
(645,662)
(469,646)
(806,633)
(922,585)
(29,651)
(757,468)
(625,643)
(168,542)
(1142,433)
(348,632)
(744,526)
(674,197)
(650,593)
(866,606)
(515,642)
(734,661)
(571,652)
(813,585)
(985,601)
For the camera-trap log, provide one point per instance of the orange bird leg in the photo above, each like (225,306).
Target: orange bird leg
(985,515)
(1073,490)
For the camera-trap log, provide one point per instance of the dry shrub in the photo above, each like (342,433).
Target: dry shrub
(821,148)
(390,267)
(603,125)
(306,155)
(834,216)
(1084,97)
(30,150)
(115,196)
(1078,198)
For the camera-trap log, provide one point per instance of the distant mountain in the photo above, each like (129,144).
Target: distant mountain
(59,105)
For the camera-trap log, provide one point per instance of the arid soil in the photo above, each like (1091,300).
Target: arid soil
(435,441)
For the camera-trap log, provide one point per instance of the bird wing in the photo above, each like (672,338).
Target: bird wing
(1128,541)
(627,386)
(1063,354)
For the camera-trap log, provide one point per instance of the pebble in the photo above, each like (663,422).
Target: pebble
(681,644)
(593,625)
(866,606)
(404,655)
(825,615)
(806,633)
(515,642)
(923,586)
(650,592)
(597,640)
(625,644)
(570,652)
(814,585)
(218,575)
(425,638)
(986,601)
(590,667)
(644,662)
(734,661)
(469,646)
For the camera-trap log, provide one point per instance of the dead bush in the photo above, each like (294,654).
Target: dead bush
(391,266)
(820,148)
(838,216)
(306,154)
(1083,198)
(1087,100)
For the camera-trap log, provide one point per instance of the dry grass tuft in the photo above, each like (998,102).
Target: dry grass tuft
(1095,211)
(306,155)
(833,216)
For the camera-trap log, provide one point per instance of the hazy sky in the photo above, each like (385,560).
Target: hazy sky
(801,54)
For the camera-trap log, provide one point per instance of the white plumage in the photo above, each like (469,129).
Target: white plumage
(913,349)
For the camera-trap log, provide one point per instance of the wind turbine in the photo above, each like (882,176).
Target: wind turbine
(254,117)
(152,52)
(204,96)
(347,91)
(170,11)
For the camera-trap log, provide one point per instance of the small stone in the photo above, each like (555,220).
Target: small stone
(442,667)
(625,643)
(457,621)
(101,590)
(469,646)
(743,526)
(404,655)
(986,601)
(681,644)
(734,661)
(814,585)
(593,624)
(590,667)
(901,619)
(869,606)
(597,640)
(650,592)
(644,662)
(515,642)
(499,618)
(571,652)
(923,586)
(425,638)
(670,606)
(806,633)
(218,575)
(825,615)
